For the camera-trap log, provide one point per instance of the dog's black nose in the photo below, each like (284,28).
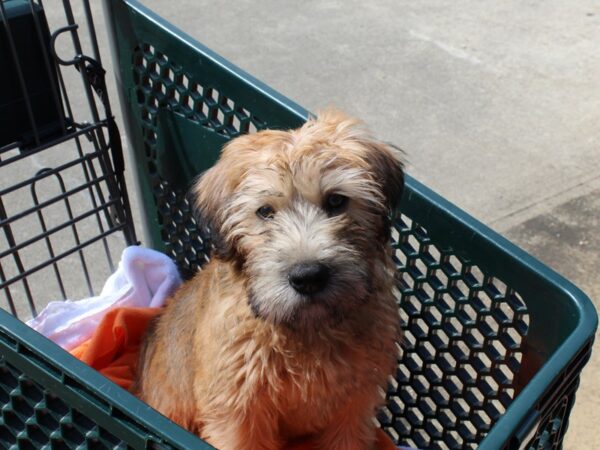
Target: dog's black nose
(308,277)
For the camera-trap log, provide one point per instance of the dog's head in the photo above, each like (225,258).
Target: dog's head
(304,215)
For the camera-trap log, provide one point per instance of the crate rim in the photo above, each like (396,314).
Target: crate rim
(97,383)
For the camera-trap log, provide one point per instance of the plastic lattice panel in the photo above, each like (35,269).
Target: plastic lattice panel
(161,82)
(463,331)
(32,418)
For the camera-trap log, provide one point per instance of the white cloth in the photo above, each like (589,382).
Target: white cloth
(144,278)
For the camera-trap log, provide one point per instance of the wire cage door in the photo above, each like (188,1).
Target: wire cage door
(64,209)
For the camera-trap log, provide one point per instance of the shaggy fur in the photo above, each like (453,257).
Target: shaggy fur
(242,358)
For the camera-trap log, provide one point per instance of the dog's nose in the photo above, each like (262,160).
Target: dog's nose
(308,277)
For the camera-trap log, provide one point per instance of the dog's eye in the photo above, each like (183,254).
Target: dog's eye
(335,203)
(265,212)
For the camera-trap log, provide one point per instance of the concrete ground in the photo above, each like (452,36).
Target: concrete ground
(496,105)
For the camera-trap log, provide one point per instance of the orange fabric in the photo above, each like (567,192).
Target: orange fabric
(113,351)
(114,347)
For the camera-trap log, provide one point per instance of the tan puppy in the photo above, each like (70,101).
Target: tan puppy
(291,329)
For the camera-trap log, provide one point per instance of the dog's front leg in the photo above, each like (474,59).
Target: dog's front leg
(351,429)
(252,429)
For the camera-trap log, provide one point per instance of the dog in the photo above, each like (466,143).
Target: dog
(292,329)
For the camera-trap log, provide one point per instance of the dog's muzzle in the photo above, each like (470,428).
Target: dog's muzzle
(308,278)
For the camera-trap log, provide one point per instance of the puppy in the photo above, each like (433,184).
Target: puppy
(291,329)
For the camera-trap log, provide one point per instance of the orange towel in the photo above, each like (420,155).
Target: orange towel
(113,351)
(114,347)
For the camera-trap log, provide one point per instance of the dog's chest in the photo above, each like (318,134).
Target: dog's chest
(308,390)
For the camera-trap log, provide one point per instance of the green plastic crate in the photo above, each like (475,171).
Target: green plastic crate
(486,362)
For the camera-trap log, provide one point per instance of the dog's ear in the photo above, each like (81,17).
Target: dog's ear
(209,195)
(385,159)
(387,165)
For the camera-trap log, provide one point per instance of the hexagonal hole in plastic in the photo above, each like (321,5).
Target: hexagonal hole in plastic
(482,362)
(454,385)
(495,408)
(467,430)
(418,269)
(440,395)
(161,58)
(421,384)
(503,375)
(414,416)
(474,338)
(432,315)
(427,351)
(412,305)
(447,418)
(434,428)
(255,125)
(406,282)
(489,326)
(426,290)
(413,362)
(503,313)
(489,386)
(454,440)
(148,49)
(184,81)
(201,110)
(475,397)
(460,407)
(168,74)
(459,289)
(499,287)
(452,326)
(7,434)
(439,279)
(410,245)
(439,339)
(496,350)
(403,374)
(467,372)
(460,350)
(481,420)
(420,328)
(451,265)
(431,255)
(446,361)
(402,426)
(408,395)
(395,406)
(227,104)
(474,277)
(433,373)
(188,103)
(210,96)
(384,416)
(12,420)
(236,123)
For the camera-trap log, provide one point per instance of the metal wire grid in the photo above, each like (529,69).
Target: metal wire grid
(64,211)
